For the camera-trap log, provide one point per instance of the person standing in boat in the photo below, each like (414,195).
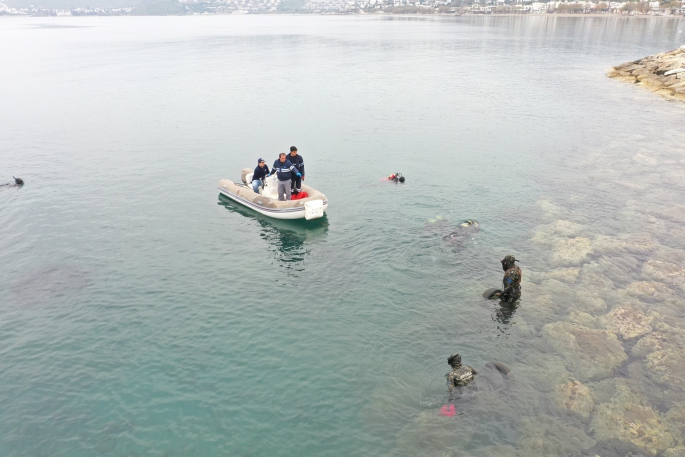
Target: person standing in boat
(284,169)
(298,161)
(261,172)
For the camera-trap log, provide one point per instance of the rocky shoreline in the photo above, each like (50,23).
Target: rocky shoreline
(663,74)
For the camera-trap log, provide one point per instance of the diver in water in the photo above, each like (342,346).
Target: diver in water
(511,283)
(396,177)
(18,182)
(460,375)
(463,233)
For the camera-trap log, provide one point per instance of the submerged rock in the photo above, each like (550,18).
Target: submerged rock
(675,214)
(588,352)
(638,244)
(676,415)
(626,322)
(575,397)
(567,275)
(544,436)
(677,234)
(649,290)
(678,451)
(544,371)
(590,301)
(643,159)
(658,341)
(560,291)
(549,208)
(566,228)
(667,367)
(626,415)
(608,390)
(582,319)
(539,309)
(498,450)
(629,419)
(666,272)
(429,434)
(593,277)
(572,251)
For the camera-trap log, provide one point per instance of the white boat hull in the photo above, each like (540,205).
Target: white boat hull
(266,204)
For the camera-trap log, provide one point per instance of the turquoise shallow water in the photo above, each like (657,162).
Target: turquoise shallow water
(142,314)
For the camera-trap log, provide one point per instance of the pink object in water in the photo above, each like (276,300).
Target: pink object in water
(448,410)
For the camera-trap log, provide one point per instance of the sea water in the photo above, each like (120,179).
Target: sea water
(144,315)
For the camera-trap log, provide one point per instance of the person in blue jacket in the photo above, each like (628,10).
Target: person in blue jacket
(261,172)
(284,169)
(298,161)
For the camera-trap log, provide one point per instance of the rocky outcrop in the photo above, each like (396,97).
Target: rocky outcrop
(663,74)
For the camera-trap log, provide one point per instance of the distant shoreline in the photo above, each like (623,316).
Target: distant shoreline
(635,16)
(569,15)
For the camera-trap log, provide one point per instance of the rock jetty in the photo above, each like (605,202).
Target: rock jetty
(663,74)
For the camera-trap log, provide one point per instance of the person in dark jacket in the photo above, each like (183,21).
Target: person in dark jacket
(511,283)
(284,169)
(298,161)
(261,172)
(460,375)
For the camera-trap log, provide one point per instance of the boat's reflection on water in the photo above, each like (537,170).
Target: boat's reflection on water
(288,239)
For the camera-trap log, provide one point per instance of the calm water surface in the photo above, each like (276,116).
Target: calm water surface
(143,315)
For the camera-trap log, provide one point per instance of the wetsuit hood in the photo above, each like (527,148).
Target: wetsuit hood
(508,262)
(454,361)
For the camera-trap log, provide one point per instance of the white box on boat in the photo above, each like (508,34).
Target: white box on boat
(313,209)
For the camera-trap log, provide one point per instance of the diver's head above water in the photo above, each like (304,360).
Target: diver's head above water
(454,361)
(508,262)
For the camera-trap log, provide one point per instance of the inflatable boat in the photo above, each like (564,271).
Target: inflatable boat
(266,201)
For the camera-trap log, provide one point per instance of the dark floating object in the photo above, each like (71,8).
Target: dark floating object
(18,181)
(490,292)
(499,366)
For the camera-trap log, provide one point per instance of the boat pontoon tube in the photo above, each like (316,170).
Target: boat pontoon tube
(267,203)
